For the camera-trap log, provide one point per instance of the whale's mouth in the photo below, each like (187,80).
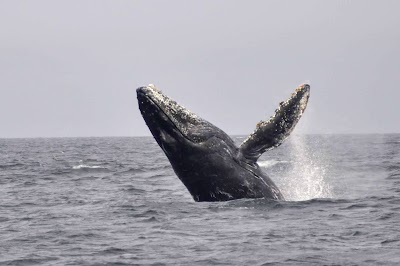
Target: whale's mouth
(156,117)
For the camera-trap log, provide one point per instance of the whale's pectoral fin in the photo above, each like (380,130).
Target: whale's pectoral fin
(270,134)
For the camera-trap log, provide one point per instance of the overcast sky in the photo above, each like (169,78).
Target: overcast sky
(70,68)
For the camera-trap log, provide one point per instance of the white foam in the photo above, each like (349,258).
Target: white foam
(83,166)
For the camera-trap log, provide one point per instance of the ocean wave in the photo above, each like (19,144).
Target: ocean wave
(116,207)
(84,166)
(273,204)
(133,171)
(11,166)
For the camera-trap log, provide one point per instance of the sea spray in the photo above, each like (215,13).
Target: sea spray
(306,178)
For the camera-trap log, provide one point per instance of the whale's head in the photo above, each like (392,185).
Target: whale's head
(176,129)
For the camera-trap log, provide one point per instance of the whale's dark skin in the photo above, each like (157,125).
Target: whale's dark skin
(206,159)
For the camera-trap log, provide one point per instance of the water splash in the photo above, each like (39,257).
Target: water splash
(306,179)
(268,163)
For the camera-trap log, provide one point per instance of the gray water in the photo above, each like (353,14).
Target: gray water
(117,201)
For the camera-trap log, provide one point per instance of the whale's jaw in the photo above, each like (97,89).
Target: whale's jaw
(164,115)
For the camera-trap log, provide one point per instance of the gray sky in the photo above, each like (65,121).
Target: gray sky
(70,68)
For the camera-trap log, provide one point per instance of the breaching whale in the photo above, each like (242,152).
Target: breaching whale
(206,159)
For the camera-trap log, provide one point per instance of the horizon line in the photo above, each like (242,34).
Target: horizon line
(145,136)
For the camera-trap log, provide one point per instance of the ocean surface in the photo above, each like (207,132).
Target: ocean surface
(117,201)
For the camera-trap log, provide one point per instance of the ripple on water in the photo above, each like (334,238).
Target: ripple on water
(128,207)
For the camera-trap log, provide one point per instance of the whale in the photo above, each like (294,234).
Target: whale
(207,161)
